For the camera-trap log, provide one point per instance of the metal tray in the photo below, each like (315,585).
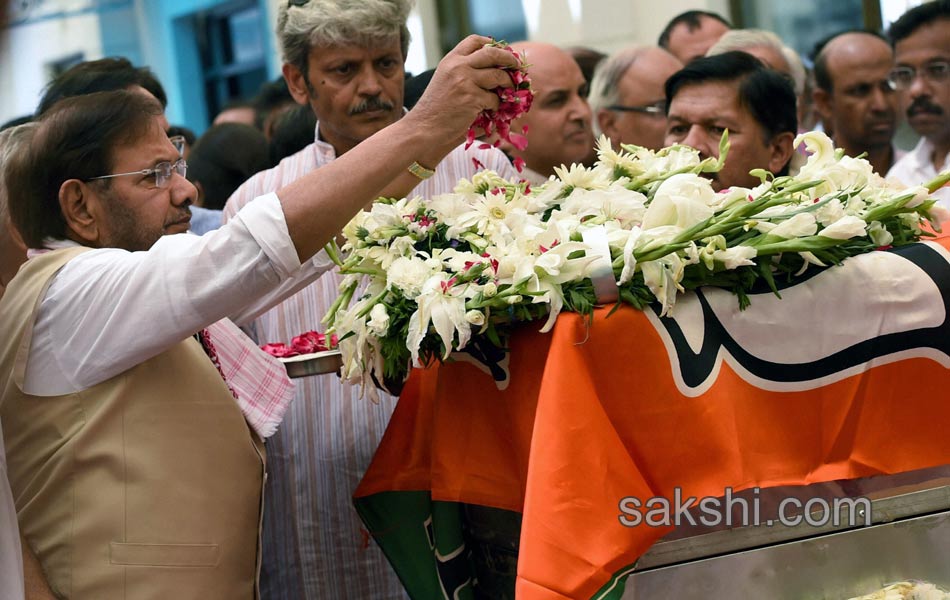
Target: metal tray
(318,363)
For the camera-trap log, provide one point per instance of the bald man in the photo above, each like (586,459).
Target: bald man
(690,34)
(627,96)
(854,98)
(559,122)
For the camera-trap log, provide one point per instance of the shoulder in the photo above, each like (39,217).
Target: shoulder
(908,165)
(287,171)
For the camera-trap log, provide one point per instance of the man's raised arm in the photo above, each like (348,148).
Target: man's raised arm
(318,205)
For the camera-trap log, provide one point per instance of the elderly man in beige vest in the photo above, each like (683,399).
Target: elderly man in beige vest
(134,471)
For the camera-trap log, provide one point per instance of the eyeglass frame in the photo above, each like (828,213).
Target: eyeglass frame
(179,166)
(179,142)
(657,108)
(926,72)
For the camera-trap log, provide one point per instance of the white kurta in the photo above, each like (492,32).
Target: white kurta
(314,546)
(916,167)
(108,310)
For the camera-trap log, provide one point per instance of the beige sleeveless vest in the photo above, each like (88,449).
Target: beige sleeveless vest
(148,485)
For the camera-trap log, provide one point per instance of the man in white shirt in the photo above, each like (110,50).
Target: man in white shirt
(112,290)
(347,66)
(921,75)
(855,98)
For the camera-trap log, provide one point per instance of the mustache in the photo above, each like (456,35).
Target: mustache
(923,105)
(179,216)
(374,103)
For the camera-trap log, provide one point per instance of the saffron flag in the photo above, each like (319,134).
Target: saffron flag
(845,376)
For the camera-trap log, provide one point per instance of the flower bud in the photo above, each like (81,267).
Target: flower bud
(475,317)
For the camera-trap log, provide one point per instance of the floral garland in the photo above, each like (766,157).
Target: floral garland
(513,102)
(460,268)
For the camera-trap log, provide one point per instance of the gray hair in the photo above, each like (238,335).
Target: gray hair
(12,142)
(742,39)
(322,23)
(605,85)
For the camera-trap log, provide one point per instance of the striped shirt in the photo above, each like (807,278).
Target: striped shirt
(313,544)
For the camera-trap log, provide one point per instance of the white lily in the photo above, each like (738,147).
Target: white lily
(441,304)
(845,228)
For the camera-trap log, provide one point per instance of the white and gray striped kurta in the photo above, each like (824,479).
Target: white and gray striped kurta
(314,547)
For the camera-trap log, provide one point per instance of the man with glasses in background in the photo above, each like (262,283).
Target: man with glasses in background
(921,76)
(627,96)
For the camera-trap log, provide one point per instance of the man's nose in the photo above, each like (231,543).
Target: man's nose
(369,82)
(920,86)
(182,190)
(580,110)
(881,99)
(696,138)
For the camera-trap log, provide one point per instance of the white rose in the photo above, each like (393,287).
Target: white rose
(379,320)
(475,317)
(682,200)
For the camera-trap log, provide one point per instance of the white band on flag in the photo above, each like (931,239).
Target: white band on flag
(601,273)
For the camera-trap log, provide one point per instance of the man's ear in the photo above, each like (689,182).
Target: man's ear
(606,121)
(296,83)
(79,208)
(780,151)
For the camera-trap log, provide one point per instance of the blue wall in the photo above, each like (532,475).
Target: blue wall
(170,50)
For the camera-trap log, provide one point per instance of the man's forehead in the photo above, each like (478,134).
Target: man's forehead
(151,147)
(377,47)
(928,41)
(706,99)
(552,72)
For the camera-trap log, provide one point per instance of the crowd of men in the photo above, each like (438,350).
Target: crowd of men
(135,411)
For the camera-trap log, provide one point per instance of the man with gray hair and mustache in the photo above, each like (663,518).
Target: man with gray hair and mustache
(345,59)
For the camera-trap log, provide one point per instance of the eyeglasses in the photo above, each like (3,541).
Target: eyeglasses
(935,72)
(178,141)
(162,172)
(657,108)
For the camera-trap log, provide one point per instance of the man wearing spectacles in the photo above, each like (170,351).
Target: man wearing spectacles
(855,98)
(134,450)
(921,76)
(627,96)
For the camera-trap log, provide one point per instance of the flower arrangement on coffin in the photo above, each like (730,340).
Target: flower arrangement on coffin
(908,590)
(458,269)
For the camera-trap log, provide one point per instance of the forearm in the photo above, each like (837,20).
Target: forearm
(318,205)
